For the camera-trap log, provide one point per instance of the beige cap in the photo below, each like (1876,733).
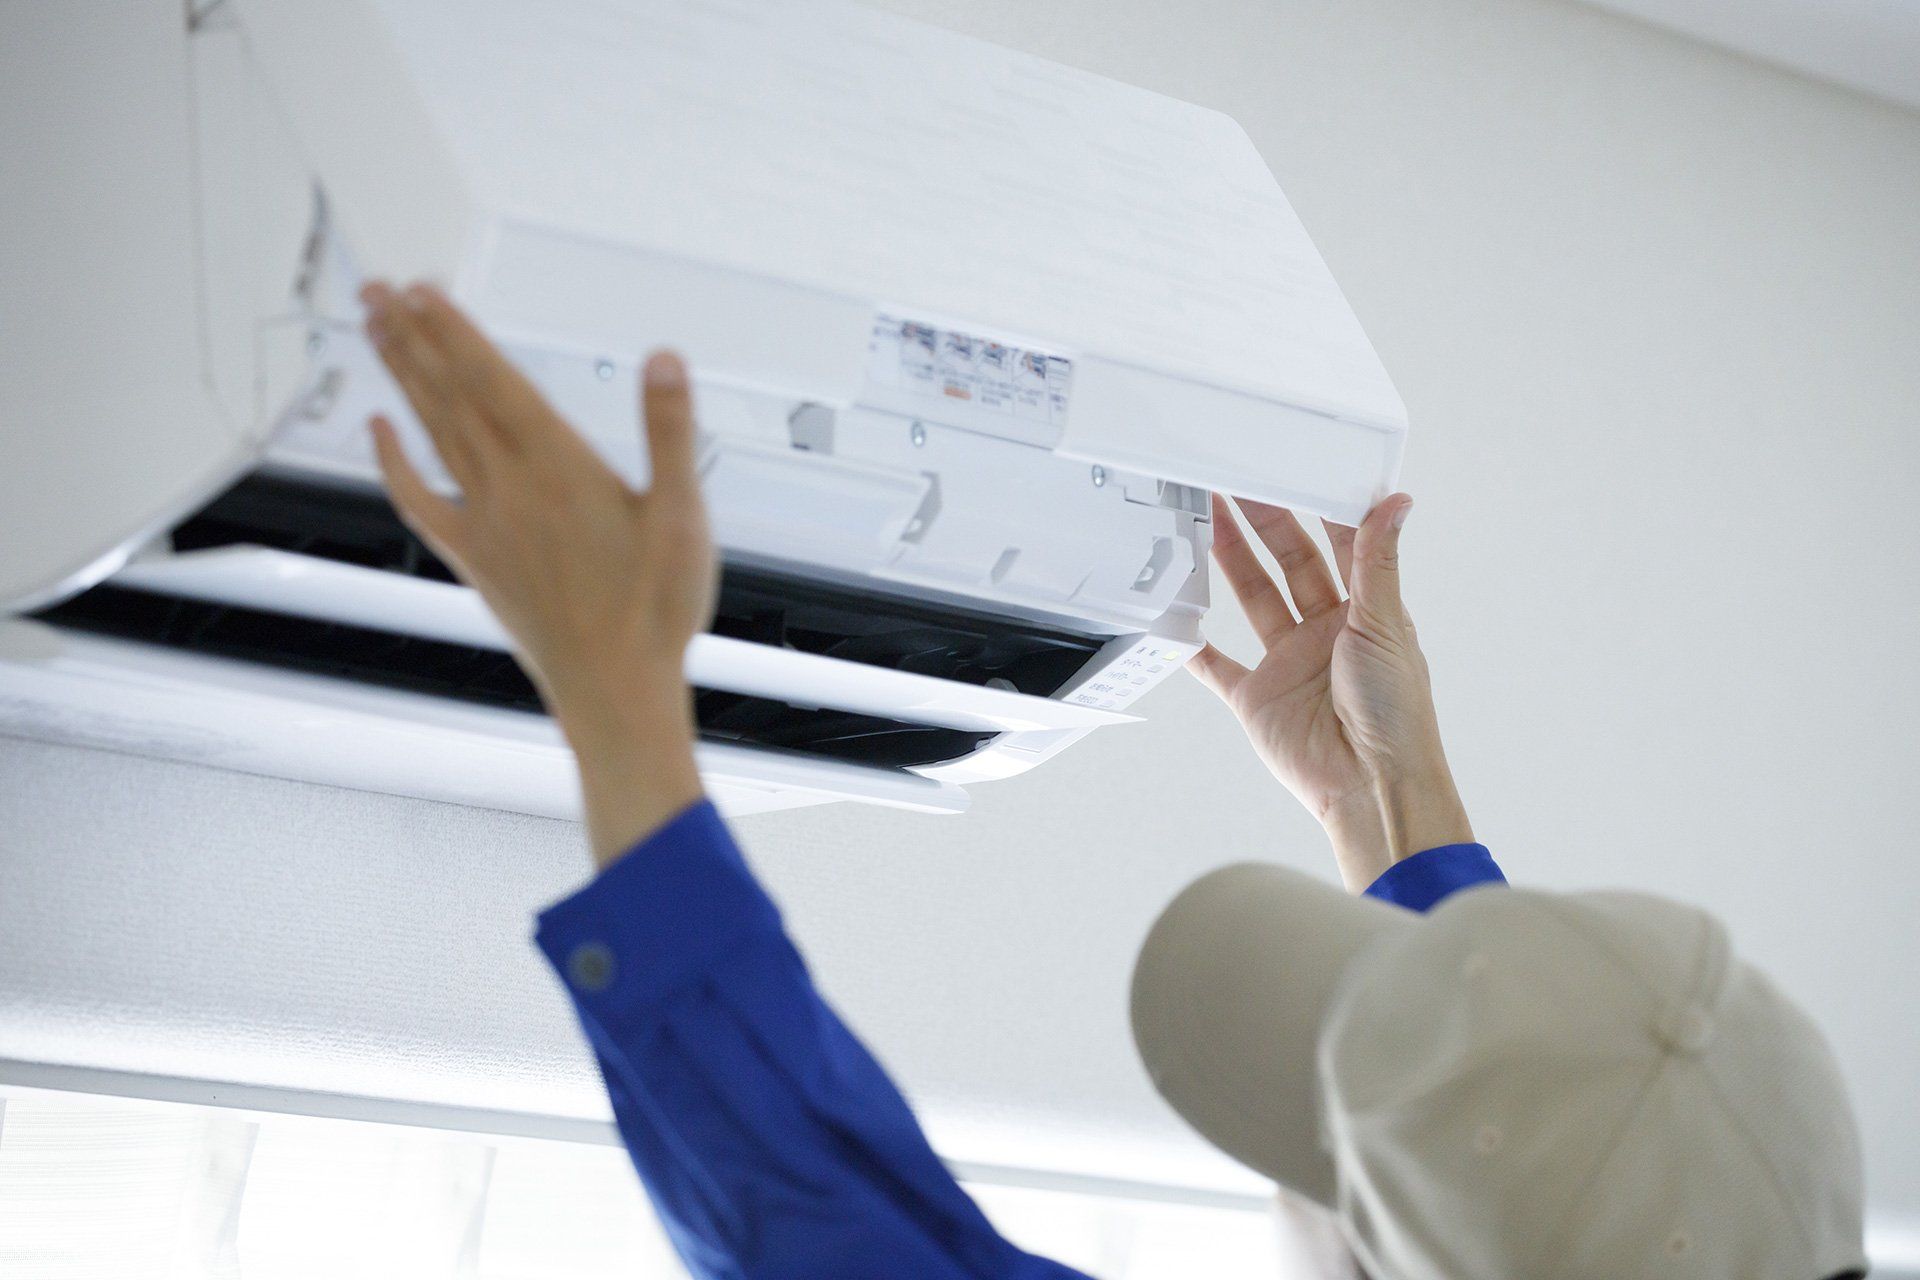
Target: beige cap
(1519,1084)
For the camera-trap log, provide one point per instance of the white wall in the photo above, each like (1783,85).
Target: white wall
(1655,310)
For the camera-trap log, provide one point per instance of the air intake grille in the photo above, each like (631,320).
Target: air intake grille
(360,528)
(486,676)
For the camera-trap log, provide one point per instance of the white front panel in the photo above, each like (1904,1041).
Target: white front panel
(763,182)
(930,508)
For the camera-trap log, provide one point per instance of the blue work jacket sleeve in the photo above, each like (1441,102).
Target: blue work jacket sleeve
(770,1141)
(1421,882)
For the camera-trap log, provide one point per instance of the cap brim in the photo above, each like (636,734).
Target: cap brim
(1229,995)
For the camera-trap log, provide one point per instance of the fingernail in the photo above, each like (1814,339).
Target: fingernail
(1400,516)
(418,295)
(375,295)
(665,370)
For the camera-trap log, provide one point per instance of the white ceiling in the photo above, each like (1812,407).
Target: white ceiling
(1872,45)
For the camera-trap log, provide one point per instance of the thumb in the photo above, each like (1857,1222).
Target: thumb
(1376,560)
(666,403)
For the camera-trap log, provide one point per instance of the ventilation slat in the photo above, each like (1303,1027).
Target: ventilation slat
(311,577)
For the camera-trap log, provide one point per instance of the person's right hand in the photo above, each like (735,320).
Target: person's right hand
(602,588)
(1339,707)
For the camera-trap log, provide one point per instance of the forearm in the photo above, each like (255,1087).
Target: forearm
(1358,834)
(1393,819)
(1421,811)
(634,747)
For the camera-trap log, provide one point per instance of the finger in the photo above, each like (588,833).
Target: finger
(1305,569)
(436,520)
(1259,595)
(667,403)
(510,403)
(1340,537)
(457,434)
(1376,561)
(1217,671)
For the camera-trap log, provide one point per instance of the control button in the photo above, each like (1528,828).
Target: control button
(591,966)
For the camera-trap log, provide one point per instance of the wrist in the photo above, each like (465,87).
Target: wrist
(1392,818)
(619,717)
(634,750)
(1420,811)
(1358,835)
(587,693)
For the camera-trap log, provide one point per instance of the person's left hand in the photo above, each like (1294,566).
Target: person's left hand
(1340,706)
(601,587)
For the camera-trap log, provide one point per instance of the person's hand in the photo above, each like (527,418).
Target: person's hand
(1339,707)
(600,587)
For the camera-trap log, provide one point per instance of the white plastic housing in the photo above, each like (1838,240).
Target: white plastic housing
(761,183)
(966,327)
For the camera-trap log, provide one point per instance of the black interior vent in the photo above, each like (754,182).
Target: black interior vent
(359,527)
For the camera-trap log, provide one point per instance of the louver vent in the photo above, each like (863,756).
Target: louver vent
(360,528)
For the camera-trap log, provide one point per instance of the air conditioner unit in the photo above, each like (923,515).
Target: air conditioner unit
(972,336)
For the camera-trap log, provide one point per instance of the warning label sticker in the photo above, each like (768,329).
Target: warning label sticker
(992,377)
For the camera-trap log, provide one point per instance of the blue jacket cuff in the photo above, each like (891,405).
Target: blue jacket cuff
(1422,881)
(669,911)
